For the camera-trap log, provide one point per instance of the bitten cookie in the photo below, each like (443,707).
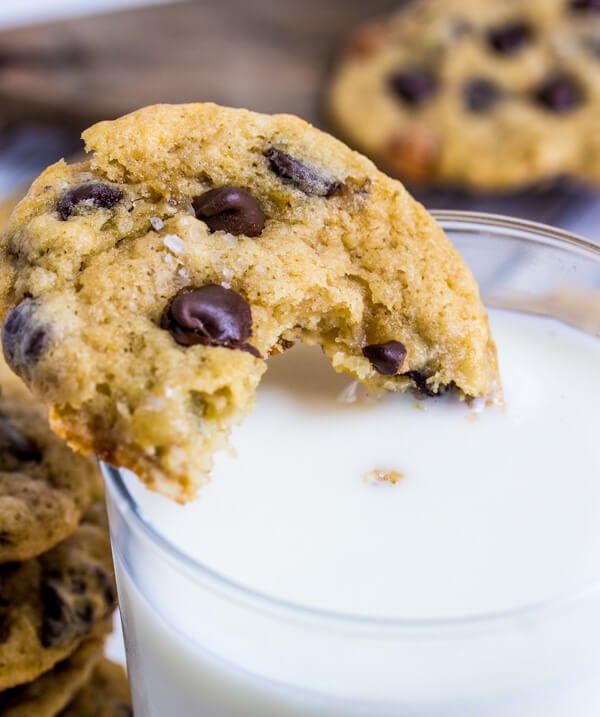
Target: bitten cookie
(54,690)
(145,289)
(49,604)
(44,486)
(486,94)
(106,695)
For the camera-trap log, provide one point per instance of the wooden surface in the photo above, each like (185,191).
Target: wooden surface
(267,55)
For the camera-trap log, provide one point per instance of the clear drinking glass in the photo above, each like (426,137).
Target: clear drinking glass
(212,648)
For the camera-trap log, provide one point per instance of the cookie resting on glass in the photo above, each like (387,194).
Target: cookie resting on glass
(144,289)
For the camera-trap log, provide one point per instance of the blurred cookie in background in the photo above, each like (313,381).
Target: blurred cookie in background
(488,95)
(51,603)
(50,693)
(45,487)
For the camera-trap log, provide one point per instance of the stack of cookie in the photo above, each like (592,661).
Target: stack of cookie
(57,590)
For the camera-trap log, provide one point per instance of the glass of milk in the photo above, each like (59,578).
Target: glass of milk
(392,557)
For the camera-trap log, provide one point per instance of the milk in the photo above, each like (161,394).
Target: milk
(466,586)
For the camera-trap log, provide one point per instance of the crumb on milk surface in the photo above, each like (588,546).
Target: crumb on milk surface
(378,476)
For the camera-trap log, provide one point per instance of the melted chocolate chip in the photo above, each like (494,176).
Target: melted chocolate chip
(24,338)
(14,444)
(94,194)
(585,5)
(230,209)
(74,601)
(301,175)
(210,316)
(510,38)
(387,358)
(560,93)
(481,94)
(415,86)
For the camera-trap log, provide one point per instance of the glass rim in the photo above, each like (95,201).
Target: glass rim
(465,221)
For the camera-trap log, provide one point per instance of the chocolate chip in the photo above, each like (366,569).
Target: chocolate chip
(230,209)
(24,338)
(210,316)
(420,381)
(560,93)
(510,38)
(14,444)
(301,175)
(61,626)
(413,85)
(94,194)
(387,358)
(585,5)
(481,94)
(73,601)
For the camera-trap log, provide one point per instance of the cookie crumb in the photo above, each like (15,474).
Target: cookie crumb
(378,476)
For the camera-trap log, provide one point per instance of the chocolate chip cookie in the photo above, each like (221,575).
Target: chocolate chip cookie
(54,690)
(106,694)
(44,486)
(145,289)
(487,94)
(49,604)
